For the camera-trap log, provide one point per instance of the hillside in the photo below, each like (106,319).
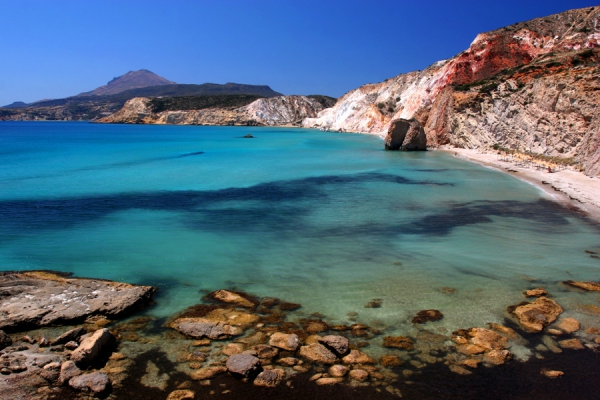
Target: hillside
(131,80)
(532,86)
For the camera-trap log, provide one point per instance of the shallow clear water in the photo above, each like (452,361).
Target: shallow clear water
(324,219)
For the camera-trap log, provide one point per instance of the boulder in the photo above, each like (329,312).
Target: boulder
(5,340)
(571,344)
(538,292)
(338,371)
(51,372)
(426,316)
(207,373)
(398,342)
(318,353)
(270,378)
(68,370)
(96,382)
(497,357)
(538,314)
(406,135)
(264,351)
(359,375)
(284,341)
(92,346)
(338,344)
(358,357)
(69,336)
(243,364)
(201,328)
(232,348)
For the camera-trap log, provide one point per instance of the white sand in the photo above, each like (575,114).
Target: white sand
(571,188)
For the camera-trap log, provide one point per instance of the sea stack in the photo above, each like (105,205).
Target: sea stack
(406,135)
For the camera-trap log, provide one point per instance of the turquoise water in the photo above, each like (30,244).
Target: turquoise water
(328,220)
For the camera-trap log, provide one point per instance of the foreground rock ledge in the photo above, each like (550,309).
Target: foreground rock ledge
(40,298)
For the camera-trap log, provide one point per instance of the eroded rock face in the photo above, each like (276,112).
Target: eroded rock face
(54,299)
(538,314)
(406,135)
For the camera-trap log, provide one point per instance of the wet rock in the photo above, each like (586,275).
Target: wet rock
(534,316)
(551,373)
(469,349)
(314,326)
(284,341)
(289,361)
(457,369)
(568,325)
(28,339)
(358,357)
(264,351)
(207,373)
(470,362)
(301,368)
(232,348)
(398,342)
(427,316)
(5,340)
(96,382)
(318,353)
(181,394)
(92,347)
(375,303)
(69,336)
(328,381)
(235,298)
(243,364)
(390,361)
(506,331)
(589,286)
(359,375)
(43,342)
(197,356)
(571,344)
(52,298)
(213,323)
(538,292)
(68,370)
(199,328)
(51,372)
(592,331)
(406,135)
(248,136)
(254,339)
(497,357)
(338,371)
(287,306)
(338,344)
(270,378)
(71,345)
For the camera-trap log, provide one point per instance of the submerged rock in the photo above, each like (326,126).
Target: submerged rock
(568,325)
(359,375)
(358,357)
(181,394)
(426,316)
(589,286)
(571,344)
(235,298)
(406,135)
(398,342)
(539,292)
(534,316)
(207,373)
(551,373)
(52,298)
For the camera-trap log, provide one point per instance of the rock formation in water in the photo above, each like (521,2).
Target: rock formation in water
(281,110)
(406,135)
(532,86)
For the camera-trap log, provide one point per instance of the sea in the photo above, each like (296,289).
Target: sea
(328,220)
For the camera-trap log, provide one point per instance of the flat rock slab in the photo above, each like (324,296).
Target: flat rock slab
(38,298)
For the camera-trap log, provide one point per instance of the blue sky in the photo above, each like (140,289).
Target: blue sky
(54,49)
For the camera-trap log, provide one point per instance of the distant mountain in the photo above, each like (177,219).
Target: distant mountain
(17,104)
(131,80)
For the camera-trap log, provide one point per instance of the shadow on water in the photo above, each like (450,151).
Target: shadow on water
(59,213)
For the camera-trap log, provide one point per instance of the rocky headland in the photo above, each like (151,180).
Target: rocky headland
(274,111)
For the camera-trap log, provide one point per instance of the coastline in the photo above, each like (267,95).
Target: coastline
(572,189)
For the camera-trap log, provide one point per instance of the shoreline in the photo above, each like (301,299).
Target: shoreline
(574,190)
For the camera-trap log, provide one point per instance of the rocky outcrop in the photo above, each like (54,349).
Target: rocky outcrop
(281,110)
(51,298)
(529,86)
(406,135)
(538,314)
(92,347)
(244,365)
(285,341)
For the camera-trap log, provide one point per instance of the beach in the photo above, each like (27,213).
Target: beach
(573,189)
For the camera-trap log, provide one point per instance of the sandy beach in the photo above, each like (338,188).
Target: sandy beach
(571,188)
